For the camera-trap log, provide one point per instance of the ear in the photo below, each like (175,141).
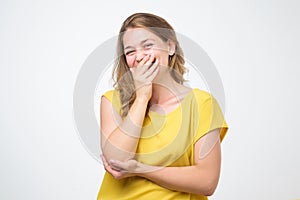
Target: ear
(171,47)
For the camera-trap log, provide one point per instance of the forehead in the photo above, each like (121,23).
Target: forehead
(134,36)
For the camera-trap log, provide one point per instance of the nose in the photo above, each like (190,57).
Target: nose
(140,54)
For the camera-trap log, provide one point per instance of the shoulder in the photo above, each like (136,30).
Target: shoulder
(113,97)
(110,94)
(202,96)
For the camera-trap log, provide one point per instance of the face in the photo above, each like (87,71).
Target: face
(139,42)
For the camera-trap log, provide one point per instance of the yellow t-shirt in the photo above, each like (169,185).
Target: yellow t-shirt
(166,140)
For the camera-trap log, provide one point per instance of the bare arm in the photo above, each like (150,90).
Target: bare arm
(201,178)
(119,138)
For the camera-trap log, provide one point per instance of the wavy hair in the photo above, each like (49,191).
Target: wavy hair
(123,80)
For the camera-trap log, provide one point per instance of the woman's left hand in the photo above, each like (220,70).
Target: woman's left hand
(117,173)
(119,169)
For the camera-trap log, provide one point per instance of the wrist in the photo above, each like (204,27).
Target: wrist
(141,100)
(147,171)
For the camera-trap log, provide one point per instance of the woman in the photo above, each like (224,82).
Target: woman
(160,139)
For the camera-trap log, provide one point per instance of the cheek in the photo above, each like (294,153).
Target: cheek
(130,61)
(149,52)
(156,54)
(163,57)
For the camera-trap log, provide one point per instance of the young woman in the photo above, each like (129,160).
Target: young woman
(160,139)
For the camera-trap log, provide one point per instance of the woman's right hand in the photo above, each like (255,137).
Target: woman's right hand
(143,74)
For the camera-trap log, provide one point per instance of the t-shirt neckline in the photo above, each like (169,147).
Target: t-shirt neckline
(150,112)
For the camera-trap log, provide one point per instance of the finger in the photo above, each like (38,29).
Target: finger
(153,75)
(143,61)
(149,70)
(149,65)
(122,166)
(144,66)
(149,62)
(132,69)
(152,69)
(119,165)
(104,160)
(140,70)
(116,168)
(114,173)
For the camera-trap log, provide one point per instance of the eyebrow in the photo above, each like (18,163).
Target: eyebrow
(143,41)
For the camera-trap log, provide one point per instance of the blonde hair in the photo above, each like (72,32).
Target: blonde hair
(123,81)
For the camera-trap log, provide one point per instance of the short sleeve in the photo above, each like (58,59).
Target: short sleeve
(114,97)
(210,117)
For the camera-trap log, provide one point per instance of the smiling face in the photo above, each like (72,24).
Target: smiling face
(135,42)
(139,42)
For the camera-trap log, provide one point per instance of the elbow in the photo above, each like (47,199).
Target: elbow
(120,157)
(211,188)
(210,191)
(207,189)
(113,153)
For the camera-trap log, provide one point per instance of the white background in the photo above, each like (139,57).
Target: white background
(254,45)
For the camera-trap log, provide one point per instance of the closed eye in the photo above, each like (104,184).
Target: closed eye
(148,45)
(129,52)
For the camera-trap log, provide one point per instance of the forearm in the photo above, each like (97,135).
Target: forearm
(122,143)
(190,179)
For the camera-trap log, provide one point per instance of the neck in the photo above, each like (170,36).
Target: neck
(164,90)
